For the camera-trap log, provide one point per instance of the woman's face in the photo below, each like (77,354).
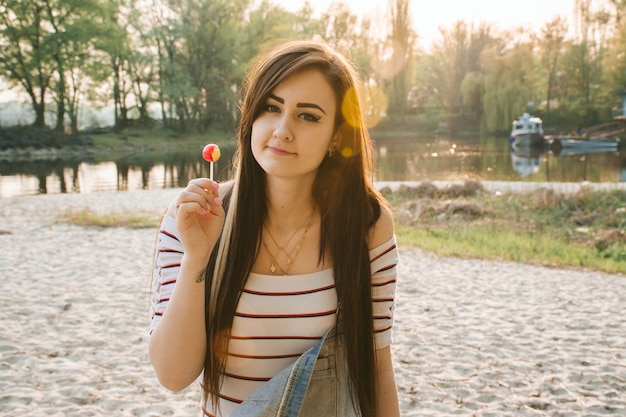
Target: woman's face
(296,126)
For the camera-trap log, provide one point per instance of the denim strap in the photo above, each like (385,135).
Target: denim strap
(283,395)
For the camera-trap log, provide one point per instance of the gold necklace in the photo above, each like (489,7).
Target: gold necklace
(274,264)
(282,248)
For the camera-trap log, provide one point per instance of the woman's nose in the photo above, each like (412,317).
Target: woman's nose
(283,129)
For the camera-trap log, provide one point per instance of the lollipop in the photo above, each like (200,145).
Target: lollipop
(211,153)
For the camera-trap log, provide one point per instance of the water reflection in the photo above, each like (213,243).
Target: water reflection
(526,159)
(568,164)
(398,159)
(35,176)
(130,172)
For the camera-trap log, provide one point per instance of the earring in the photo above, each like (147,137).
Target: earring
(332,149)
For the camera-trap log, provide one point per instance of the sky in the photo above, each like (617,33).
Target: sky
(429,15)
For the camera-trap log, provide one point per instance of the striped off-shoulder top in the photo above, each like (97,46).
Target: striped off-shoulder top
(278,317)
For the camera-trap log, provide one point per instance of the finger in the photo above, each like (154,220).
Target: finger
(205,184)
(215,206)
(190,207)
(196,195)
(202,186)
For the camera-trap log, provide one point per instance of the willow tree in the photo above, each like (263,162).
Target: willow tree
(473,84)
(450,64)
(508,85)
(401,39)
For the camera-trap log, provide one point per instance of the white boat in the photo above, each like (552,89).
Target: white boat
(588,144)
(527,131)
(575,151)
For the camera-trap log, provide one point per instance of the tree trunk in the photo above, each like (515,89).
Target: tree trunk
(116,94)
(39,109)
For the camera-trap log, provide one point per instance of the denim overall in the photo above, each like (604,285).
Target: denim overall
(315,385)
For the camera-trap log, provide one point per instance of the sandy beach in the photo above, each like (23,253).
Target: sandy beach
(471,337)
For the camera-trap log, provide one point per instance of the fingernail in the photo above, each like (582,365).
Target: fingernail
(217,201)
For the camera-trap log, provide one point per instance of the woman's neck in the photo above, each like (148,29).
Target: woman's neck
(289,202)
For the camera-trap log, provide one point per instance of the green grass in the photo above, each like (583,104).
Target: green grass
(509,245)
(586,229)
(87,218)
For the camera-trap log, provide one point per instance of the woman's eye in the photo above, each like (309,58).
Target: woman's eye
(272,108)
(309,117)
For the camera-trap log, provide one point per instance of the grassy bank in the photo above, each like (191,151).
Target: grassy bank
(27,142)
(544,227)
(111,143)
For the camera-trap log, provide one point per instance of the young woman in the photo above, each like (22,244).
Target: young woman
(251,273)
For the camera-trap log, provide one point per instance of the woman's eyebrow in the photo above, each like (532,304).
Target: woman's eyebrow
(311,105)
(304,105)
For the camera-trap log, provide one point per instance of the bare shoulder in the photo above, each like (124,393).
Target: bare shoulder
(383,229)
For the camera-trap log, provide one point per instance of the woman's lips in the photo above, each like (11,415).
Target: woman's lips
(279,151)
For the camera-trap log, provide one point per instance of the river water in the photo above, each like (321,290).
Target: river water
(398,159)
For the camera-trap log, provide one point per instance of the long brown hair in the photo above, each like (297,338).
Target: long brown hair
(349,206)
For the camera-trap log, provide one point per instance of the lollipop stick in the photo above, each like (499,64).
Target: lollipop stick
(211,171)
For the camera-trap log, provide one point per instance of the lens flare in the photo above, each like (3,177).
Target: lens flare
(392,63)
(347,152)
(350,108)
(375,106)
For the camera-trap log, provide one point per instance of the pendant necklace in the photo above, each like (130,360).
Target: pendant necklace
(291,256)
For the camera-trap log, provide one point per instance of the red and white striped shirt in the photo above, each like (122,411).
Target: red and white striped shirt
(278,317)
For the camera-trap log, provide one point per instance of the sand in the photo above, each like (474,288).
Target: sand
(472,337)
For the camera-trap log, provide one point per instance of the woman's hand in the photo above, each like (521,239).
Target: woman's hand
(199,217)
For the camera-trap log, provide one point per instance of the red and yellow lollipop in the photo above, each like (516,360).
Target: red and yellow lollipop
(211,153)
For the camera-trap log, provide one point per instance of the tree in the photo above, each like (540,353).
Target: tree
(473,84)
(508,85)
(113,66)
(401,39)
(619,7)
(615,64)
(339,26)
(76,26)
(586,57)
(551,42)
(141,62)
(450,64)
(25,51)
(199,58)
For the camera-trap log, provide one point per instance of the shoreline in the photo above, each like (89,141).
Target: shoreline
(471,337)
(495,187)
(516,186)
